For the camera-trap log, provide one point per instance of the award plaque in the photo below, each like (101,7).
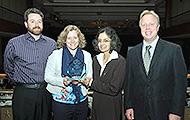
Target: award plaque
(76,69)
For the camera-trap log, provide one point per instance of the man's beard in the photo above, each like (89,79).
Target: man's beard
(35,32)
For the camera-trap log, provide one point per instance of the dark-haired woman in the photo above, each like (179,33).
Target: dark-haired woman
(108,76)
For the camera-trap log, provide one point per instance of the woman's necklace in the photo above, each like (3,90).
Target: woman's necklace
(105,59)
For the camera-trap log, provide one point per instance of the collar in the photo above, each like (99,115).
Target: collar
(100,57)
(28,36)
(153,44)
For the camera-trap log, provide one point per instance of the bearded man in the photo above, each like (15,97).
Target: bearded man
(24,63)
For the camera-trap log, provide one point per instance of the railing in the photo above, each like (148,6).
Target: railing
(10,15)
(180,18)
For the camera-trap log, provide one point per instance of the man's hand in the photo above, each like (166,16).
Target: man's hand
(129,114)
(174,117)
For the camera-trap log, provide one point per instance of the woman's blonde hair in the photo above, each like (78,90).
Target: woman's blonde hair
(61,41)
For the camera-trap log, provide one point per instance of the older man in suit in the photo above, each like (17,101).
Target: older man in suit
(155,83)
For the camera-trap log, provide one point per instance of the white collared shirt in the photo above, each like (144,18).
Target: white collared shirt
(100,57)
(152,49)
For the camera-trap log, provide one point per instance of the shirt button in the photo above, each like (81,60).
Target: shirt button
(37,56)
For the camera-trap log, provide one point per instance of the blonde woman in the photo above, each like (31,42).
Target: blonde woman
(69,96)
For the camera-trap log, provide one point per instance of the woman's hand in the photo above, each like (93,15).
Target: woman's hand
(86,81)
(75,82)
(129,114)
(66,82)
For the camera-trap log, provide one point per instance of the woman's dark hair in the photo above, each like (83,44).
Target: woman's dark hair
(111,33)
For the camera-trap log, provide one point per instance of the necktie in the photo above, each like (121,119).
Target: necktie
(147,59)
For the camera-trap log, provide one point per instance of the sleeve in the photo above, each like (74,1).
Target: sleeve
(128,83)
(9,60)
(180,82)
(88,65)
(52,74)
(114,87)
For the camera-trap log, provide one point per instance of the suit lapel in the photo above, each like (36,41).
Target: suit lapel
(158,50)
(140,59)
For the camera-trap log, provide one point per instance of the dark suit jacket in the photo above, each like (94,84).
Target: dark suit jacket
(163,90)
(107,102)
